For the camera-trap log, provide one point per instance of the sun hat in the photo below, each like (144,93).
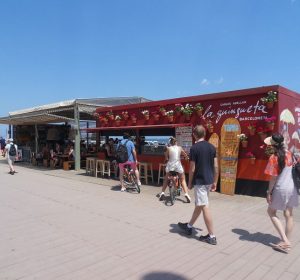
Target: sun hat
(275,139)
(269,141)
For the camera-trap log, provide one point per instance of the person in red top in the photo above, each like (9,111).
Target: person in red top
(282,194)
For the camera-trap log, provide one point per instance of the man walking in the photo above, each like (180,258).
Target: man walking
(203,175)
(131,160)
(11,150)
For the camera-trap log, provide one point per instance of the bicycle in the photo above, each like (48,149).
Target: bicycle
(129,178)
(173,186)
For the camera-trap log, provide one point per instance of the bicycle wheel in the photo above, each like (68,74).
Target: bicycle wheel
(126,180)
(135,184)
(172,194)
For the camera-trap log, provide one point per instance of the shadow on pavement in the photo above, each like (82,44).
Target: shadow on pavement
(163,276)
(259,237)
(116,188)
(175,229)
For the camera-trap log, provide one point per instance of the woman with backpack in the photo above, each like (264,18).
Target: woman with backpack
(282,194)
(11,150)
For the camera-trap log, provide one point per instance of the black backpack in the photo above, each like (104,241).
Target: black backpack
(12,150)
(122,153)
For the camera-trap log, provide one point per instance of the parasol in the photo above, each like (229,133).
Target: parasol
(295,136)
(287,117)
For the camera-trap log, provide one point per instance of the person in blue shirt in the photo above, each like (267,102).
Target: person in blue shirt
(132,160)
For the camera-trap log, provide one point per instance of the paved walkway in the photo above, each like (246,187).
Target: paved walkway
(64,225)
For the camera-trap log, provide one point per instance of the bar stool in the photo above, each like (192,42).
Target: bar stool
(146,171)
(90,165)
(106,167)
(99,167)
(161,172)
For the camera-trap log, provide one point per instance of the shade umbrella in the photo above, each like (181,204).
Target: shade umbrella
(295,136)
(287,117)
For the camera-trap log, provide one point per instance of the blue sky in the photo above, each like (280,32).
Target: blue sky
(64,49)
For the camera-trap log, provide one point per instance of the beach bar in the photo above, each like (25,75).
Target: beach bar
(237,122)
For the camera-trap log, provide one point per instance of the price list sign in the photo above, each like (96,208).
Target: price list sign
(184,137)
(229,154)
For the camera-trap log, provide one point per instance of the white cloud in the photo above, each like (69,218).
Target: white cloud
(205,82)
(219,81)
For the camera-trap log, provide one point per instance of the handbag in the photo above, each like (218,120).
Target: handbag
(296,174)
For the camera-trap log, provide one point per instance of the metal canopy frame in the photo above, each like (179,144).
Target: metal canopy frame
(67,111)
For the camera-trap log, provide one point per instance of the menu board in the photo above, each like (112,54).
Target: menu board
(184,137)
(229,154)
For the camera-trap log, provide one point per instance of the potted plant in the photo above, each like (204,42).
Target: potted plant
(262,133)
(269,150)
(198,109)
(125,115)
(162,110)
(118,120)
(270,99)
(251,156)
(103,120)
(133,118)
(178,109)
(243,139)
(209,126)
(270,123)
(187,111)
(146,114)
(170,116)
(155,115)
(110,115)
(251,127)
(96,115)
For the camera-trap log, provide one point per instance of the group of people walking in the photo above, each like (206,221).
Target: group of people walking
(282,194)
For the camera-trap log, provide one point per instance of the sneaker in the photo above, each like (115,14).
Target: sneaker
(185,228)
(188,199)
(208,239)
(162,197)
(123,189)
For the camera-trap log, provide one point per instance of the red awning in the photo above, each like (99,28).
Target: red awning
(171,125)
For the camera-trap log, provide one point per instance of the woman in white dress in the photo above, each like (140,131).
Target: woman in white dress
(173,157)
(282,194)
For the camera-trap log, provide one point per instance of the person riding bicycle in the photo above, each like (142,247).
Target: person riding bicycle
(173,154)
(132,160)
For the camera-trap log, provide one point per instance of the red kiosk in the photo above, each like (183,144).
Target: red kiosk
(237,123)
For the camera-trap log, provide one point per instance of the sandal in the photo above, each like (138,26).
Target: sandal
(283,248)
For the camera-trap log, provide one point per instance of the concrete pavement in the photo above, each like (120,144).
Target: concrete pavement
(59,224)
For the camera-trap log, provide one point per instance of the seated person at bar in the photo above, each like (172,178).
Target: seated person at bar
(45,152)
(110,154)
(71,152)
(54,153)
(173,157)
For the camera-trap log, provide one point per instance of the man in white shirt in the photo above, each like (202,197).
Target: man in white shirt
(11,150)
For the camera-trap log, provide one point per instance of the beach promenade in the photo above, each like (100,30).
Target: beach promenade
(59,224)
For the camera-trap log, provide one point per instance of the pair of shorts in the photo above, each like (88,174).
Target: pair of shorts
(201,194)
(177,167)
(131,163)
